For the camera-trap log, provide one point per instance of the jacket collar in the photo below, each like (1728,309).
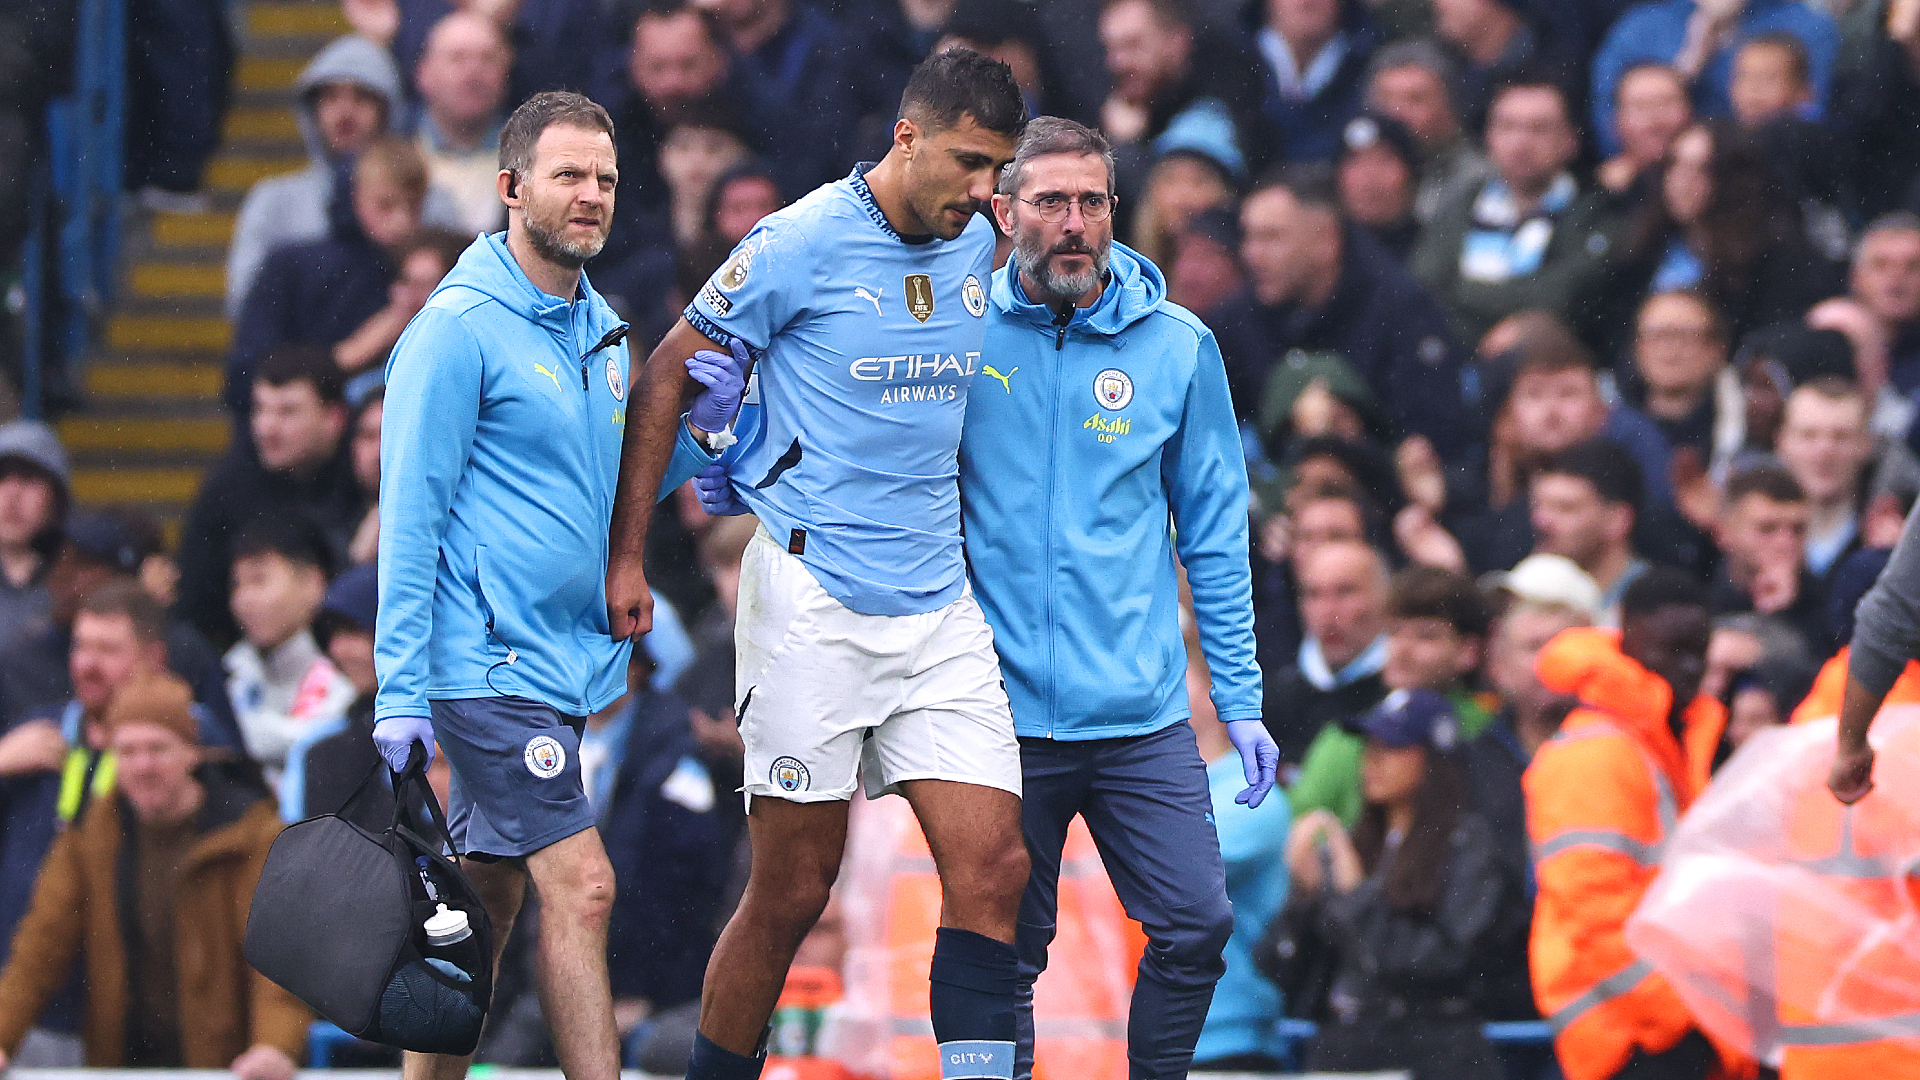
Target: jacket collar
(1586,663)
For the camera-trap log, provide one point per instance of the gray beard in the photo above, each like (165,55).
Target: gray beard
(550,246)
(1056,287)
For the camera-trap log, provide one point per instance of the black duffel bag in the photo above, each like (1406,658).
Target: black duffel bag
(338,917)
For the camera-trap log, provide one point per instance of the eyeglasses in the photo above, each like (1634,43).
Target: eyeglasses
(1094,206)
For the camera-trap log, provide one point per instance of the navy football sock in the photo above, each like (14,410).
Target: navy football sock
(711,1061)
(975,980)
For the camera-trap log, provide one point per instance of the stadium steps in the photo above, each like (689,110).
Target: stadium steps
(153,421)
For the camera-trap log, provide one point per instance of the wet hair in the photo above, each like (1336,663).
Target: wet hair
(957,83)
(284,365)
(1428,592)
(1771,482)
(1418,872)
(540,112)
(1661,586)
(1605,464)
(126,597)
(1053,135)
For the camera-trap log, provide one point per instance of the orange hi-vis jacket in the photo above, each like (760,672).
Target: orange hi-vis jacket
(1602,797)
(1830,686)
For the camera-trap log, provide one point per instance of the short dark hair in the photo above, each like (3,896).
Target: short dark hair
(540,112)
(313,364)
(123,596)
(1046,135)
(1605,464)
(294,539)
(1428,592)
(959,82)
(1768,481)
(1535,77)
(1310,183)
(1797,59)
(1715,323)
(1661,586)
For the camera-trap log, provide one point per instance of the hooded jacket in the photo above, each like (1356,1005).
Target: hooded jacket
(294,207)
(24,608)
(1080,440)
(1602,797)
(498,459)
(83,907)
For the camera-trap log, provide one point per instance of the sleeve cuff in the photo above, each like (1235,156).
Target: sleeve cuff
(704,323)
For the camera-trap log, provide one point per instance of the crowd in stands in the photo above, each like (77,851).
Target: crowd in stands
(1536,314)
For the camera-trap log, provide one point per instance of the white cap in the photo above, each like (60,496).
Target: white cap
(446,926)
(1551,579)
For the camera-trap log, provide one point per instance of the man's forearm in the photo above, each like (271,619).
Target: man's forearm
(652,428)
(1857,708)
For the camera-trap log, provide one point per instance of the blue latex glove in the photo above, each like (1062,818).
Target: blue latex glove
(1259,757)
(394,738)
(725,377)
(716,492)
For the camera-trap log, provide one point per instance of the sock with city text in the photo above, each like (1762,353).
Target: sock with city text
(975,980)
(711,1061)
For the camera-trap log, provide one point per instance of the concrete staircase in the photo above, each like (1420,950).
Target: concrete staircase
(153,418)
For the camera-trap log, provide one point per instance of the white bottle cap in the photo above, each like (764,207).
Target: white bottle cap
(446,926)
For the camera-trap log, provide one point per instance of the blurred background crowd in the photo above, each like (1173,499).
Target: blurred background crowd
(1520,300)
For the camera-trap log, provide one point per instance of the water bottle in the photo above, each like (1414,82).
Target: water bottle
(450,944)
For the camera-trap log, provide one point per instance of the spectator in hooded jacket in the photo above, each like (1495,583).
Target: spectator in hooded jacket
(1319,283)
(149,892)
(1386,929)
(34,489)
(348,96)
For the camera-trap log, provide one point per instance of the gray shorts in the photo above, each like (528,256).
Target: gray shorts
(516,774)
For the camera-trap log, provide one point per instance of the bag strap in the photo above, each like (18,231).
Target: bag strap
(414,777)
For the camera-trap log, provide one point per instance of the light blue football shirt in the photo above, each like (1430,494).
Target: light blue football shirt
(864,347)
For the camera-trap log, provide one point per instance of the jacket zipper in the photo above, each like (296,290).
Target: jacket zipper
(1060,322)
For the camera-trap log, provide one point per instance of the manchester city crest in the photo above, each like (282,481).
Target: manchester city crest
(545,757)
(1113,389)
(973,296)
(614,381)
(788,774)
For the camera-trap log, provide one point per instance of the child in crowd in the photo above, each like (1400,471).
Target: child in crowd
(280,682)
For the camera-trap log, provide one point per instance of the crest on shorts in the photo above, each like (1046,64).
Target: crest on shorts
(615,382)
(734,274)
(1113,389)
(919,289)
(972,295)
(788,774)
(545,756)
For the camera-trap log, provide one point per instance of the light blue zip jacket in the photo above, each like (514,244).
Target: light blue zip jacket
(499,453)
(1079,442)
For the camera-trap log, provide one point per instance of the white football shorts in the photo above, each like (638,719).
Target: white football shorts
(826,695)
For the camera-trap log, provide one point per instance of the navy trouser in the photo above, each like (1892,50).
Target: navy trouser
(1146,802)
